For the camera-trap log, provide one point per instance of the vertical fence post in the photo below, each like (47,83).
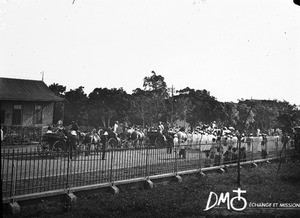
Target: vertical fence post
(68,170)
(111,167)
(200,154)
(276,146)
(13,178)
(199,159)
(14,206)
(176,163)
(252,148)
(147,158)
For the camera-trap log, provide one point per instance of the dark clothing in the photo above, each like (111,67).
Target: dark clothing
(72,141)
(74,126)
(170,143)
(264,152)
(72,138)
(103,142)
(182,153)
(103,151)
(227,156)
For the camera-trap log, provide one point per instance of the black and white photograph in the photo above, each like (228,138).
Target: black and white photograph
(150,108)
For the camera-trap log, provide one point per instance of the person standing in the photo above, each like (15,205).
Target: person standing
(170,142)
(264,142)
(249,142)
(276,141)
(2,137)
(116,127)
(104,142)
(161,127)
(72,137)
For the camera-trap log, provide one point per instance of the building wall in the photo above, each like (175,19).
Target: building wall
(48,109)
(27,113)
(7,107)
(28,110)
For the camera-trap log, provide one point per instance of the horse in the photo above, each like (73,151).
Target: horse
(89,139)
(135,136)
(108,138)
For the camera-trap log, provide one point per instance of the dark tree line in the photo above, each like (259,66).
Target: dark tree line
(154,102)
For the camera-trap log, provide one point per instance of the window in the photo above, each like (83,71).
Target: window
(38,114)
(17,114)
(2,116)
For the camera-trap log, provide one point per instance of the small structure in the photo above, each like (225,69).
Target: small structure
(28,103)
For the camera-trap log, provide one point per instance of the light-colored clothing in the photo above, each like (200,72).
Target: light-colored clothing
(2,137)
(161,128)
(176,143)
(116,127)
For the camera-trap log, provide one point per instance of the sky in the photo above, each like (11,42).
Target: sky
(234,49)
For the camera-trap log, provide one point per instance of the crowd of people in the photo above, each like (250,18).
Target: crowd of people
(220,144)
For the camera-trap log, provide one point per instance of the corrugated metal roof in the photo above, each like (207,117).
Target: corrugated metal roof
(26,90)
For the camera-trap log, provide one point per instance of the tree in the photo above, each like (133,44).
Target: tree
(141,107)
(59,107)
(200,106)
(58,90)
(156,89)
(288,118)
(105,104)
(76,106)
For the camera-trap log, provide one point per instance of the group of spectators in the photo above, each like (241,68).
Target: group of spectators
(69,134)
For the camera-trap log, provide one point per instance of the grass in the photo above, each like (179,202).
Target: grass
(189,198)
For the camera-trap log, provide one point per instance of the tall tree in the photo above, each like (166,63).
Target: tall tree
(76,106)
(156,87)
(200,106)
(288,117)
(107,104)
(141,107)
(59,107)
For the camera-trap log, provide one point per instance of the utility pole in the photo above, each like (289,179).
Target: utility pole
(172,109)
(42,75)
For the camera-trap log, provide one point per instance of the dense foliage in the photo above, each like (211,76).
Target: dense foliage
(156,102)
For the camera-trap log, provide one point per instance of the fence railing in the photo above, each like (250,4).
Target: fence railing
(25,171)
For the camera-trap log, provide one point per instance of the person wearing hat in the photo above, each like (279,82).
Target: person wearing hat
(72,137)
(175,142)
(161,127)
(60,130)
(264,142)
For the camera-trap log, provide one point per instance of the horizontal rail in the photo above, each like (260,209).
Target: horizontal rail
(167,176)
(27,172)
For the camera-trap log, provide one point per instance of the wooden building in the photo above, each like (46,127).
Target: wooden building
(28,103)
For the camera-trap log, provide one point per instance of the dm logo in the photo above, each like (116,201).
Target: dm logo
(226,199)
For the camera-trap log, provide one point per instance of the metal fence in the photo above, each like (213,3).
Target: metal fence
(25,171)
(17,135)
